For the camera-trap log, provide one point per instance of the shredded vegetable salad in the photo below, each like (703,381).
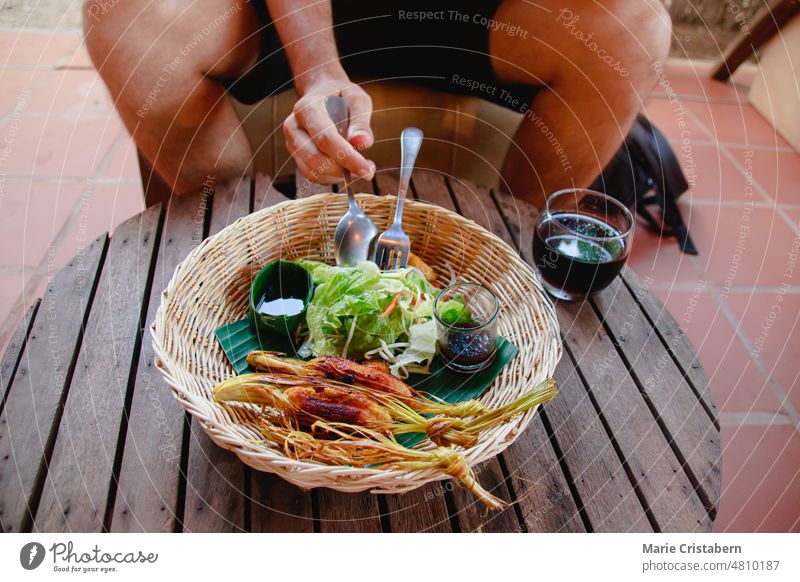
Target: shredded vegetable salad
(363,312)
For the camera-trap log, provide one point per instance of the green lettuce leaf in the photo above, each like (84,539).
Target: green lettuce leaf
(422,337)
(346,315)
(454,311)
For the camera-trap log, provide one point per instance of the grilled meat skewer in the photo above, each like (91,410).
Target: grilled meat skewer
(371,376)
(306,404)
(332,368)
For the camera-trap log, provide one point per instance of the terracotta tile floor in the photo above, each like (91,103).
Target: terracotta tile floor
(69,173)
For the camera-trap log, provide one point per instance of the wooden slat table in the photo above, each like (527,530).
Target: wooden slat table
(92,440)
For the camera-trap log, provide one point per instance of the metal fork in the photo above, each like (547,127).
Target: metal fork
(394,246)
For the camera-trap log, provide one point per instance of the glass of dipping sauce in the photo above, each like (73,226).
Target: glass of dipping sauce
(466,323)
(279,296)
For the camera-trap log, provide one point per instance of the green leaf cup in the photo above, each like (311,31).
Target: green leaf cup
(279,297)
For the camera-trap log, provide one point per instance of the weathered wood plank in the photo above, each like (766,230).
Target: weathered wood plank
(605,493)
(607,496)
(689,430)
(231,201)
(81,469)
(277,506)
(521,219)
(305,188)
(387,181)
(36,396)
(430,186)
(348,512)
(215,500)
(543,494)
(473,516)
(13,353)
(475,202)
(420,510)
(215,478)
(678,344)
(264,193)
(148,489)
(650,463)
(532,459)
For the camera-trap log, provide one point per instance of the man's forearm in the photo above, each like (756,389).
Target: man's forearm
(305,28)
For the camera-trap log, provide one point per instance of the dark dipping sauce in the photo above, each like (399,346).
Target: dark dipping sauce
(466,348)
(578,265)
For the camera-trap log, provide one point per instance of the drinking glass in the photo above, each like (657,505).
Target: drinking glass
(582,241)
(466,324)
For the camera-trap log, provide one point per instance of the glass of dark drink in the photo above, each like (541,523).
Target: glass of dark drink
(466,325)
(581,243)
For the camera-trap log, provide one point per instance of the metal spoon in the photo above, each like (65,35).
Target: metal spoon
(355,234)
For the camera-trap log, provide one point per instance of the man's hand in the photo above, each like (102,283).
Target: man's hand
(306,31)
(313,141)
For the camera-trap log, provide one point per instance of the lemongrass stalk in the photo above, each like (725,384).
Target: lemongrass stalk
(278,363)
(442,430)
(459,409)
(494,417)
(360,446)
(266,390)
(250,388)
(420,404)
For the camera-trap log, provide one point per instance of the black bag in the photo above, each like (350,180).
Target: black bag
(645,173)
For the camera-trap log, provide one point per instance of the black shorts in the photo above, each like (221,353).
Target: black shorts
(442,44)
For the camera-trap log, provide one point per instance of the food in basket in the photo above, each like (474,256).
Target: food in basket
(367,448)
(363,312)
(423,267)
(528,347)
(305,400)
(365,422)
(328,407)
(340,369)
(373,376)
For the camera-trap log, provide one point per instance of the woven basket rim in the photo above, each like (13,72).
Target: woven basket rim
(308,474)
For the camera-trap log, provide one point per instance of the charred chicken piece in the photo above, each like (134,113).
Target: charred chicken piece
(306,403)
(379,365)
(349,372)
(333,368)
(426,270)
(334,405)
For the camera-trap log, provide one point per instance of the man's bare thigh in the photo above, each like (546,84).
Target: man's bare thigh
(217,38)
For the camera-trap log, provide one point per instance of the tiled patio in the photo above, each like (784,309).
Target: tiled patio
(68,172)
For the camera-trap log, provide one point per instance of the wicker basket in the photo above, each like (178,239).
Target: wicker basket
(210,288)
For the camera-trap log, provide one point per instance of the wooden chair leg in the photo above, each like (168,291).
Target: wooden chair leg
(767,22)
(155,188)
